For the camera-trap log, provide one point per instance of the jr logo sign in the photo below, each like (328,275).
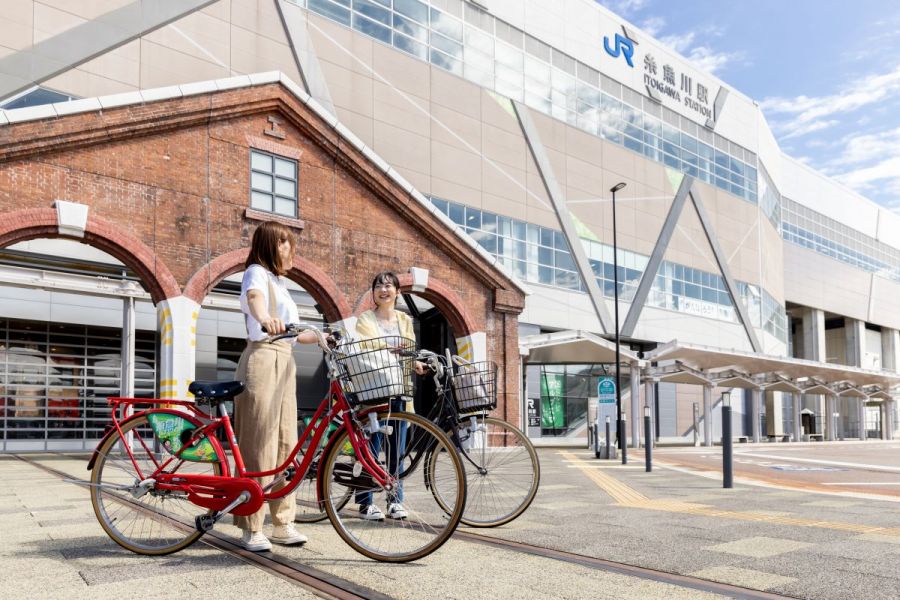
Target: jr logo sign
(622,46)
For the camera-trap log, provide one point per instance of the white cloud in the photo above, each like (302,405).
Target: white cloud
(624,8)
(708,60)
(680,43)
(653,25)
(803,114)
(871,146)
(703,56)
(883,176)
(870,164)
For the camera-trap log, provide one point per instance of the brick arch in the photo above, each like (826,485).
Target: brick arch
(438,293)
(305,273)
(33,223)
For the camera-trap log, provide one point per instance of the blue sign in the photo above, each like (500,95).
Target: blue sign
(606,390)
(623,46)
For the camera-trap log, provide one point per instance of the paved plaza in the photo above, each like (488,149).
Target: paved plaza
(766,534)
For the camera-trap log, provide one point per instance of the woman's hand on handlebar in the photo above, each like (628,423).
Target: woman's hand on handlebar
(272,326)
(421,368)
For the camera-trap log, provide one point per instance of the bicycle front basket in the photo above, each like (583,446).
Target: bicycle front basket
(375,369)
(474,387)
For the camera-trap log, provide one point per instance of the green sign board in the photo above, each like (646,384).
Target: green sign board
(606,390)
(553,401)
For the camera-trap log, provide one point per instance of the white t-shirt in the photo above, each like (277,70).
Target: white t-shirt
(256,277)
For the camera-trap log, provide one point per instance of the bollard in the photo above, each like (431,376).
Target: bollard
(648,441)
(608,444)
(727,475)
(596,441)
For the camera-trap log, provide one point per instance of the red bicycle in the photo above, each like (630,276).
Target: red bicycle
(161,461)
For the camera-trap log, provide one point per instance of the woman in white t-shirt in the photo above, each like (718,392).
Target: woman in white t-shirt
(265,413)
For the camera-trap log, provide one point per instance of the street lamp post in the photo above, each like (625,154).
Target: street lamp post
(620,425)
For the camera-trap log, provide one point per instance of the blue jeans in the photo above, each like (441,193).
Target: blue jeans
(397,441)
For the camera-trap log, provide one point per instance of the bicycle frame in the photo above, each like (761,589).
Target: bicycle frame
(333,406)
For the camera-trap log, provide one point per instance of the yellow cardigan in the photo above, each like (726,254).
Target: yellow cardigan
(367,328)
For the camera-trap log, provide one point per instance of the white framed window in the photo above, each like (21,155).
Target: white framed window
(273,183)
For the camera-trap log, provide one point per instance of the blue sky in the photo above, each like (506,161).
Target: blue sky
(825,72)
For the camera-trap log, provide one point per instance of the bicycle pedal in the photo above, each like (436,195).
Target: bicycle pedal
(205,523)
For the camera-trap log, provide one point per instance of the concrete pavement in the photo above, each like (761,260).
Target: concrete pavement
(786,541)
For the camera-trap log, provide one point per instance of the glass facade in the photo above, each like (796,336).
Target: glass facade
(805,227)
(55,378)
(466,41)
(540,255)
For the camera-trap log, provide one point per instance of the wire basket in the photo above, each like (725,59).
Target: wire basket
(376,369)
(474,387)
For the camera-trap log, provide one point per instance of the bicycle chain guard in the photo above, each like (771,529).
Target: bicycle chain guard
(213,491)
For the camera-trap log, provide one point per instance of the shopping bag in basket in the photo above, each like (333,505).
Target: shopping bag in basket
(470,390)
(375,372)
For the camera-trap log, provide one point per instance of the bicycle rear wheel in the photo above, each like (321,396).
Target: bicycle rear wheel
(151,521)
(427,524)
(502,471)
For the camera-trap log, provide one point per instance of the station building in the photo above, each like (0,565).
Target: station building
(470,147)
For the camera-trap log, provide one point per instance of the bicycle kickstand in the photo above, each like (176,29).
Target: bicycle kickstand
(206,522)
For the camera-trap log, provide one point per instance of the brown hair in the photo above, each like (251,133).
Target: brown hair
(386,277)
(264,246)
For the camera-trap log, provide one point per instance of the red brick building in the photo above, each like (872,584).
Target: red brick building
(165,187)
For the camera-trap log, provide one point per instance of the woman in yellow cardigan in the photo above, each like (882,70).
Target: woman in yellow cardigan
(386,320)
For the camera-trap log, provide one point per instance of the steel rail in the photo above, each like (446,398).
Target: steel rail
(682,581)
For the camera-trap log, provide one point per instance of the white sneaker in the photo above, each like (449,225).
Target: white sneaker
(287,535)
(370,512)
(396,511)
(255,541)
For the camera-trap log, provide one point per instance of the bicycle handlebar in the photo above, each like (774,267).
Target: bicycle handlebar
(295,329)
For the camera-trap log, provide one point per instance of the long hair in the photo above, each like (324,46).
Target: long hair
(386,277)
(264,246)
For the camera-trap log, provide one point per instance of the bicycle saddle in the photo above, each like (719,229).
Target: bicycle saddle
(211,391)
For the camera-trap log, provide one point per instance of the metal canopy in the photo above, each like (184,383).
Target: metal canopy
(818,388)
(782,386)
(853,393)
(572,347)
(683,377)
(736,382)
(710,359)
(880,395)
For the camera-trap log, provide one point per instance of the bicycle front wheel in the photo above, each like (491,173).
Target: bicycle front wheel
(502,471)
(309,508)
(426,524)
(146,521)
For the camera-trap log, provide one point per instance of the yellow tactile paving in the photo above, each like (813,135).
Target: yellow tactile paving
(626,496)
